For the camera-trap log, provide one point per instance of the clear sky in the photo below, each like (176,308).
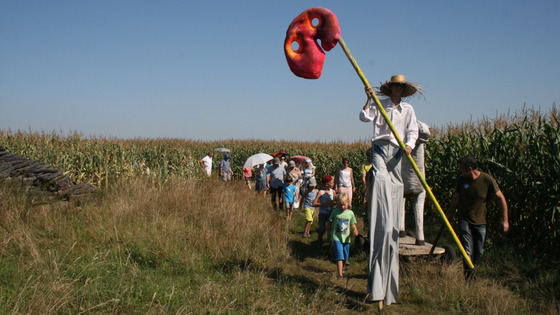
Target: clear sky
(215,70)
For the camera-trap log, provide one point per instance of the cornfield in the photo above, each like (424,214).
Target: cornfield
(521,151)
(101,161)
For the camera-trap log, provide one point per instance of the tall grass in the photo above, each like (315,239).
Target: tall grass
(179,242)
(193,247)
(142,246)
(521,150)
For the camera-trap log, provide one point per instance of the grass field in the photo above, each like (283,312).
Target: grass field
(178,242)
(191,247)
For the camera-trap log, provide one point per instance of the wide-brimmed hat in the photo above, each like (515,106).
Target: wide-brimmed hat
(410,88)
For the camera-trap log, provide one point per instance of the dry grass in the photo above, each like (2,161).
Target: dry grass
(437,288)
(103,254)
(191,247)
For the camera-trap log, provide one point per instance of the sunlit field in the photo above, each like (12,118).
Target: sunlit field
(176,241)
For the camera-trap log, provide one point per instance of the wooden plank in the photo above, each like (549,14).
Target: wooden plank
(14,168)
(407,247)
(39,175)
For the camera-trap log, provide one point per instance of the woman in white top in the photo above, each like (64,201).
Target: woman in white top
(344,180)
(308,171)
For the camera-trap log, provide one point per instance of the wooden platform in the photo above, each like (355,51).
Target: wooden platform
(407,247)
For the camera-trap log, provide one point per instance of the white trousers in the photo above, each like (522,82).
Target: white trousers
(418,208)
(385,202)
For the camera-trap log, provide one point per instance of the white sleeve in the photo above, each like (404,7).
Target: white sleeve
(367,115)
(412,130)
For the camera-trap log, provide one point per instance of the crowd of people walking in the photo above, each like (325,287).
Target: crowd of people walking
(291,186)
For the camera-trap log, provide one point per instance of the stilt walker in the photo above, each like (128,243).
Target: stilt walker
(305,59)
(387,188)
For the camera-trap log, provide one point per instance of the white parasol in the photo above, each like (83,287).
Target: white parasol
(256,159)
(222,150)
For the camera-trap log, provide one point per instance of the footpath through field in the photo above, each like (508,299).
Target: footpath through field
(316,265)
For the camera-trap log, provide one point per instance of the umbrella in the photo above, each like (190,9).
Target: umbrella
(279,154)
(300,159)
(222,150)
(256,159)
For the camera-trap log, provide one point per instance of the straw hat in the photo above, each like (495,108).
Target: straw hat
(410,88)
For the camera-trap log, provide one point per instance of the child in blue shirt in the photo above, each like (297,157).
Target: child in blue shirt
(290,197)
(340,222)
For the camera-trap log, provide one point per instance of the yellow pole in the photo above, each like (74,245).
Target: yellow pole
(402,145)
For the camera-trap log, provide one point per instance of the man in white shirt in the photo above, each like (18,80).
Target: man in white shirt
(206,163)
(385,195)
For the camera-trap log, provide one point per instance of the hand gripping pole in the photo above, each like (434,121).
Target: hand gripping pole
(402,145)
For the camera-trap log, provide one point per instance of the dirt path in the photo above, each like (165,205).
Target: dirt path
(316,263)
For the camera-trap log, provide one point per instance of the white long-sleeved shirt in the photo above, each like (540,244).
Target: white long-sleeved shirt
(402,117)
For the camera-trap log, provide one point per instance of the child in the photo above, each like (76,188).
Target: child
(290,197)
(340,221)
(260,184)
(296,176)
(309,196)
(247,174)
(324,201)
(225,169)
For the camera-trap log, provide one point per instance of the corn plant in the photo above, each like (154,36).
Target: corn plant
(522,152)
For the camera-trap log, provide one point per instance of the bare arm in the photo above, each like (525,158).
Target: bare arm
(369,92)
(355,228)
(504,207)
(336,181)
(352,178)
(454,203)
(368,112)
(316,201)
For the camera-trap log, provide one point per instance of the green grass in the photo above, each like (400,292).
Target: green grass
(191,247)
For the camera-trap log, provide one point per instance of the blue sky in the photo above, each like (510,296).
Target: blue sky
(214,70)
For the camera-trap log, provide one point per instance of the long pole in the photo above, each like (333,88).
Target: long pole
(402,145)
